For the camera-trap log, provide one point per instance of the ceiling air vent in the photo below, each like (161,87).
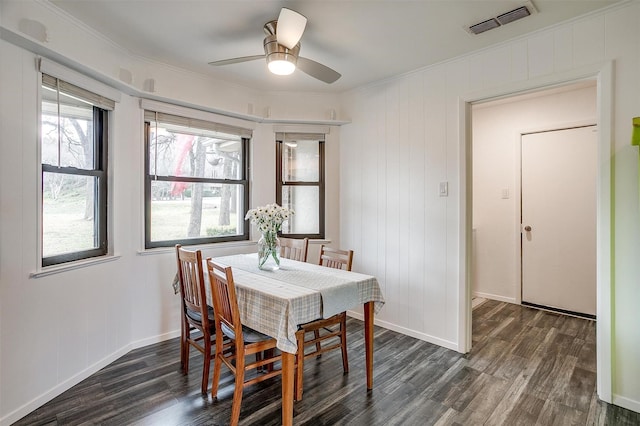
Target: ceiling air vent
(513,15)
(487,25)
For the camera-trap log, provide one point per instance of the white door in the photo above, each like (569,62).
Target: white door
(559,219)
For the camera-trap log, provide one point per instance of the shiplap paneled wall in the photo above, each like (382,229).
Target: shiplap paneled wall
(393,215)
(404,140)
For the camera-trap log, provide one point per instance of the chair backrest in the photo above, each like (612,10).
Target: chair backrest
(225,304)
(294,248)
(335,258)
(192,286)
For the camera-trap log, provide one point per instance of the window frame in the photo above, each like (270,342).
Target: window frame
(99,171)
(149,178)
(280,184)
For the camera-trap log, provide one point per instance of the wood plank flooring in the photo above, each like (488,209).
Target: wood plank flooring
(527,367)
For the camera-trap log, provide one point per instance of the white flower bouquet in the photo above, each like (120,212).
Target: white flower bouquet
(269,220)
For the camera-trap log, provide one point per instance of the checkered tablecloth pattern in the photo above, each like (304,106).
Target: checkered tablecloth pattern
(275,302)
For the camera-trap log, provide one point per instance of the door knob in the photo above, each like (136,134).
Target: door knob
(527,228)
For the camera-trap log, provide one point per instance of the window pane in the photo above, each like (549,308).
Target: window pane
(68,213)
(76,132)
(304,201)
(194,154)
(301,161)
(181,210)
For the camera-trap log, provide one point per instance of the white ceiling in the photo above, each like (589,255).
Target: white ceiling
(364,40)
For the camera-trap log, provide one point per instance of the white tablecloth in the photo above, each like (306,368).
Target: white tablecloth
(276,302)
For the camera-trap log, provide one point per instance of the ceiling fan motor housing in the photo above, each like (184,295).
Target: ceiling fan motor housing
(277,52)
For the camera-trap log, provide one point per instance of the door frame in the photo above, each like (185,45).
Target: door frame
(602,73)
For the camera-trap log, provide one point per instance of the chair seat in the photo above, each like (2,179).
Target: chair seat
(197,317)
(249,334)
(322,323)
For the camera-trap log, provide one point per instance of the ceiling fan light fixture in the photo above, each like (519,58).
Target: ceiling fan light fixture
(281,66)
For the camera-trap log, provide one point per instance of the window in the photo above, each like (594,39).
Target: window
(300,182)
(196,181)
(74,172)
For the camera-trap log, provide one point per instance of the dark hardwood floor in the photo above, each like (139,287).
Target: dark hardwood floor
(527,367)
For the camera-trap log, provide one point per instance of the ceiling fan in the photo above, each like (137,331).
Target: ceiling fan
(281,48)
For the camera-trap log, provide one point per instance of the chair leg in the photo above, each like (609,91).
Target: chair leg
(316,335)
(182,344)
(186,347)
(237,393)
(258,359)
(269,353)
(343,342)
(299,366)
(207,364)
(217,366)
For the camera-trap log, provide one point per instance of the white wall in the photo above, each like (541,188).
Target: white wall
(404,140)
(57,329)
(497,127)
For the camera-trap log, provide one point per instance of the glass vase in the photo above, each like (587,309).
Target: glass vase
(269,251)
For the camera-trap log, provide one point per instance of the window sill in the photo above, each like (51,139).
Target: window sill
(231,244)
(172,249)
(50,270)
(320,241)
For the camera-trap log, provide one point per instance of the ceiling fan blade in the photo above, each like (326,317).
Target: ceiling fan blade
(290,27)
(236,60)
(317,70)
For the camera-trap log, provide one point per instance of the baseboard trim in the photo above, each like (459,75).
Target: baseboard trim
(627,403)
(495,297)
(409,332)
(39,401)
(155,339)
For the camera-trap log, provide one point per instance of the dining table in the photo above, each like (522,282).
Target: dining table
(276,302)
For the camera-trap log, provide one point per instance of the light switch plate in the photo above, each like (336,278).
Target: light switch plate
(443,190)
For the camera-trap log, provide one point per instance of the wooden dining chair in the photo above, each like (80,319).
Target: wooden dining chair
(336,258)
(332,258)
(242,341)
(198,328)
(294,248)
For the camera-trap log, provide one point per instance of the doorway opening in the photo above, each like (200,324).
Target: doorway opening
(599,78)
(534,141)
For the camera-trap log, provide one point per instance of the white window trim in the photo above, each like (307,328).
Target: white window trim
(40,270)
(70,266)
(151,105)
(199,114)
(54,69)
